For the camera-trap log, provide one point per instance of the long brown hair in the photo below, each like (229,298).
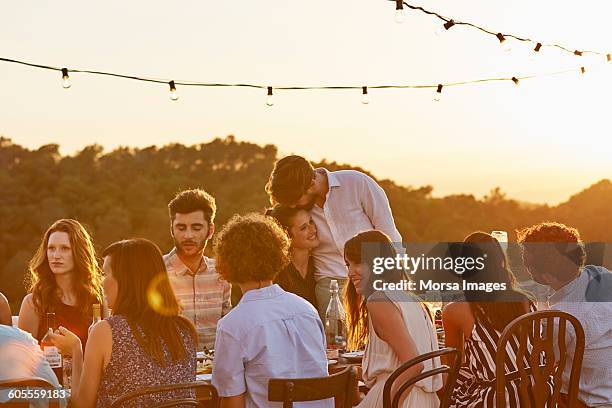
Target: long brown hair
(146,300)
(86,275)
(363,248)
(497,308)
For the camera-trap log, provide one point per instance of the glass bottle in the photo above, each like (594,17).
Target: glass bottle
(50,351)
(335,323)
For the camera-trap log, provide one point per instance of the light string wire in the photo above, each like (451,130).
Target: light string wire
(495,34)
(285,88)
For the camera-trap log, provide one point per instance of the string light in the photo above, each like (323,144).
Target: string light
(399,11)
(515,80)
(582,70)
(447,26)
(438,94)
(365,98)
(269,101)
(506,45)
(609,57)
(578,53)
(538,47)
(66,79)
(490,32)
(173,94)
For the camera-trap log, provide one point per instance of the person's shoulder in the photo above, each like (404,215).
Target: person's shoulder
(299,303)
(353,175)
(12,334)
(456,311)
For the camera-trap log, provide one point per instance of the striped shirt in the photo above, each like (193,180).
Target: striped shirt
(475,387)
(204,297)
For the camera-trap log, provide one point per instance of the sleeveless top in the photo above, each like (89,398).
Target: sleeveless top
(379,360)
(70,317)
(475,385)
(131,368)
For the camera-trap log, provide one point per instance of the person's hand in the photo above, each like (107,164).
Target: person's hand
(66,341)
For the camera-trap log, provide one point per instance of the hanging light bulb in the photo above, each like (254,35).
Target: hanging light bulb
(365,98)
(399,11)
(65,79)
(173,94)
(438,94)
(506,45)
(583,70)
(269,98)
(445,27)
(578,53)
(516,81)
(537,47)
(609,57)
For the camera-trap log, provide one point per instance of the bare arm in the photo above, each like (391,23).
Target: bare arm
(28,317)
(233,402)
(86,371)
(5,311)
(458,323)
(390,327)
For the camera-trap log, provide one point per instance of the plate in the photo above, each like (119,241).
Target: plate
(331,362)
(204,377)
(353,355)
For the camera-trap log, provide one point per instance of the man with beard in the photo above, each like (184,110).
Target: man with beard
(341,203)
(554,255)
(204,297)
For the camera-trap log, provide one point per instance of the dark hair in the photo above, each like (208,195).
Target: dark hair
(252,247)
(363,248)
(146,299)
(289,180)
(87,277)
(497,307)
(284,215)
(188,201)
(549,241)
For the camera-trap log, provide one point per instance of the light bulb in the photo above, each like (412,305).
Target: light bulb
(582,70)
(516,81)
(503,41)
(270,98)
(438,94)
(173,94)
(444,27)
(65,79)
(399,16)
(365,98)
(609,57)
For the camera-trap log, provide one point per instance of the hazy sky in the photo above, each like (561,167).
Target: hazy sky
(541,141)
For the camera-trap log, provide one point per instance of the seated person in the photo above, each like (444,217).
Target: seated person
(393,325)
(65,279)
(271,333)
(5,311)
(554,255)
(203,297)
(475,326)
(144,343)
(21,357)
(298,276)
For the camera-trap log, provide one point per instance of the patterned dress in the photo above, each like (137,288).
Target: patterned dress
(475,387)
(130,368)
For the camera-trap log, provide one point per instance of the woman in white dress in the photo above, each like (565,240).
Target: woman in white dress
(393,325)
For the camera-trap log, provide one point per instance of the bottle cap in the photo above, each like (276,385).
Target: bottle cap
(333,285)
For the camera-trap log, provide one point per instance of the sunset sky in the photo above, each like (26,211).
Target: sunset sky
(541,141)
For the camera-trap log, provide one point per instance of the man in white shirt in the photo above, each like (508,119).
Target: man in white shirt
(341,203)
(21,357)
(270,333)
(554,255)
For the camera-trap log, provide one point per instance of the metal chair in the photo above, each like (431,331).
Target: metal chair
(536,367)
(289,390)
(34,382)
(204,392)
(452,371)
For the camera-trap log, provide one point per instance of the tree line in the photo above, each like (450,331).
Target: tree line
(124,193)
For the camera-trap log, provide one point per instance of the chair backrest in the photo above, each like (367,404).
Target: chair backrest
(536,367)
(22,383)
(204,392)
(453,370)
(290,390)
